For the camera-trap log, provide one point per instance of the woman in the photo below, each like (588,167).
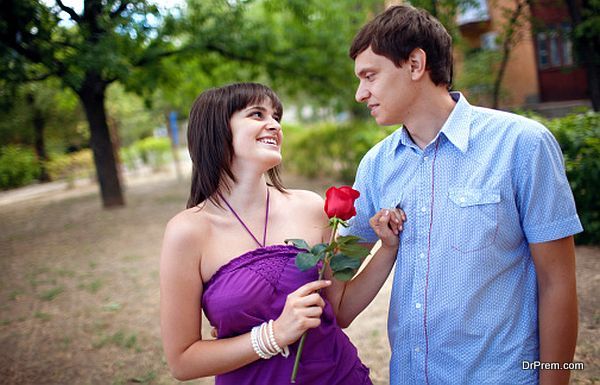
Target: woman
(225,254)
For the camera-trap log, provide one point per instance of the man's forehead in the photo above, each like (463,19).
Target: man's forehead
(366,61)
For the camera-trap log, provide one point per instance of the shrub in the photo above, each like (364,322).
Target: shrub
(155,152)
(72,166)
(330,149)
(579,139)
(130,157)
(18,166)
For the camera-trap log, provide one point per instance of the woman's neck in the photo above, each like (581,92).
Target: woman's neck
(247,193)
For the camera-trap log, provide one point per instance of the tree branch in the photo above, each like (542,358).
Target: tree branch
(118,11)
(69,10)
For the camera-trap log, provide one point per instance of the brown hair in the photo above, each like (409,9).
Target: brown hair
(210,140)
(400,29)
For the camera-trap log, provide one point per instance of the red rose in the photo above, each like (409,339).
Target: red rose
(339,202)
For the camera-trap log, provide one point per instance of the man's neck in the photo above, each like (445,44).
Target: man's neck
(428,115)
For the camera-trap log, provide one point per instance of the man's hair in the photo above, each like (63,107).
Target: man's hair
(210,141)
(400,29)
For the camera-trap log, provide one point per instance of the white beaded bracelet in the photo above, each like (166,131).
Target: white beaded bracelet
(264,334)
(285,351)
(255,344)
(264,343)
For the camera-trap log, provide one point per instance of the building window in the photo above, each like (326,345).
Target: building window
(554,54)
(554,47)
(542,44)
(567,45)
(489,41)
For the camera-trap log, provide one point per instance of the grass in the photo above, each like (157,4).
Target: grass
(88,294)
(91,287)
(42,316)
(51,294)
(120,339)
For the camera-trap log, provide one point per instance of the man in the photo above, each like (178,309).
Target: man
(484,284)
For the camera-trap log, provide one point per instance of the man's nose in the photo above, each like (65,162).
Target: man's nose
(361,94)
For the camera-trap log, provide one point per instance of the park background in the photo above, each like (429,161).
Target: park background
(93,103)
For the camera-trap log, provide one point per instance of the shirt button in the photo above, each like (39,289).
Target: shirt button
(417,349)
(418,305)
(423,209)
(426,158)
(462,199)
(422,255)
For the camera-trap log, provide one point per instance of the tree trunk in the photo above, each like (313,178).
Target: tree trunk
(39,124)
(92,95)
(510,30)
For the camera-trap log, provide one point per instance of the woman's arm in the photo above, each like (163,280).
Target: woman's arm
(350,298)
(188,356)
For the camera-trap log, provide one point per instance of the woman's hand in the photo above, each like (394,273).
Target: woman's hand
(387,224)
(302,311)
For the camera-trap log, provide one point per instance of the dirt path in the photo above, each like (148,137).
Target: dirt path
(79,291)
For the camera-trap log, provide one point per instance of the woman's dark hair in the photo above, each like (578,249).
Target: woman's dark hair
(397,31)
(210,139)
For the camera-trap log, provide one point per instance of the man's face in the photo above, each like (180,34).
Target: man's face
(386,89)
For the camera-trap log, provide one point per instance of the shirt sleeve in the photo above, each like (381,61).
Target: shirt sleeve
(546,204)
(365,204)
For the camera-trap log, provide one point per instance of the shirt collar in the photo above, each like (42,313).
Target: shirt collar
(458,125)
(456,128)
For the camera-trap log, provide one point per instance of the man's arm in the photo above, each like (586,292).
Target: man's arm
(557,298)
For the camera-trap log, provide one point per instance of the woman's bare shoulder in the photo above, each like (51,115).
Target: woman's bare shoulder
(189,226)
(308,202)
(306,198)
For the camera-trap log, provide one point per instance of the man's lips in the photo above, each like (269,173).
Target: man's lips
(373,108)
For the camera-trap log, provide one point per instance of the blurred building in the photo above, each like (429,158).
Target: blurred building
(541,73)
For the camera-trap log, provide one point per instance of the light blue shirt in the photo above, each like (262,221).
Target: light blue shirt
(463,308)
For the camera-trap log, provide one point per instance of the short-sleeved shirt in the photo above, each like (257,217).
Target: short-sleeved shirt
(463,308)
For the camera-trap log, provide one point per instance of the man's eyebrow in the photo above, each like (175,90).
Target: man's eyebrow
(364,71)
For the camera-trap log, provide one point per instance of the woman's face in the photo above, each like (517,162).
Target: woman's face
(257,136)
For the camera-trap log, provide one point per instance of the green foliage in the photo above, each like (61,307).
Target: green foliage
(18,166)
(343,255)
(71,166)
(476,79)
(132,119)
(332,150)
(579,139)
(154,152)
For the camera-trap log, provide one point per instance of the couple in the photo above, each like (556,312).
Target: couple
(484,278)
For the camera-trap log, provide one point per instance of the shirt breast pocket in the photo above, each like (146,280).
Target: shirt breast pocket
(474,213)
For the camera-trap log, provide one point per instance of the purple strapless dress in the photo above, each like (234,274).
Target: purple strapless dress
(251,289)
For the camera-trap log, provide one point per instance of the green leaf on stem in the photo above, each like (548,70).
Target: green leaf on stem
(299,243)
(341,262)
(344,275)
(305,261)
(348,239)
(354,251)
(319,249)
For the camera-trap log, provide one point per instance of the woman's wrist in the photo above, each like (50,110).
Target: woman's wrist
(389,249)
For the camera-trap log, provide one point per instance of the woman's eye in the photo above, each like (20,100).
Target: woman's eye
(257,114)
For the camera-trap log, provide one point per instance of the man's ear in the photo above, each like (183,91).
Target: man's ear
(418,63)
